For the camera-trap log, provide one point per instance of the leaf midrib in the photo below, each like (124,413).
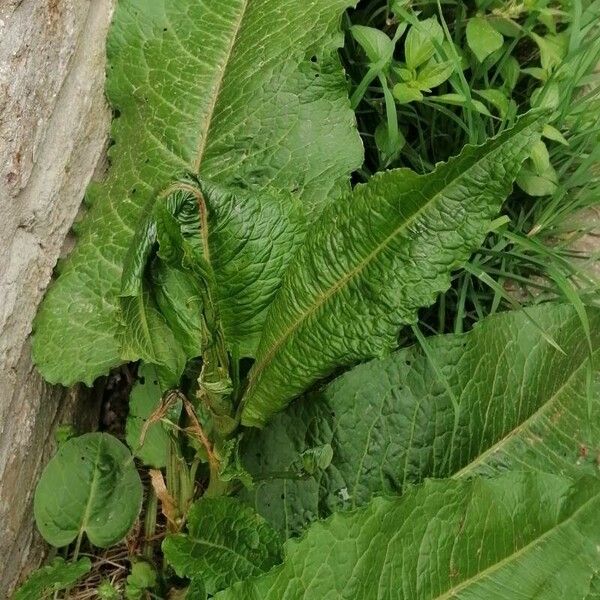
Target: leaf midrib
(215,546)
(217,86)
(323,298)
(451,593)
(521,426)
(93,485)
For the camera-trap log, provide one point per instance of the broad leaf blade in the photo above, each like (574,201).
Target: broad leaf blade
(372,260)
(482,38)
(146,335)
(226,542)
(516,536)
(233,259)
(57,576)
(522,404)
(90,486)
(148,442)
(225,89)
(252,238)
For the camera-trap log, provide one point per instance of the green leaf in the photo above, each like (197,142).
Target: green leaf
(317,459)
(90,486)
(142,576)
(107,591)
(594,593)
(521,404)
(507,27)
(554,134)
(520,535)
(378,47)
(223,89)
(497,99)
(460,100)
(144,399)
(434,74)
(553,49)
(482,38)
(146,335)
(388,147)
(454,99)
(226,542)
(547,96)
(405,94)
(252,239)
(371,261)
(179,300)
(419,45)
(540,158)
(533,184)
(231,467)
(58,575)
(196,590)
(248,243)
(510,71)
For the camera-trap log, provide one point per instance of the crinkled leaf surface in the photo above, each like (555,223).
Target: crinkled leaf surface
(161,301)
(251,239)
(145,398)
(54,577)
(522,404)
(91,486)
(482,38)
(594,593)
(226,90)
(238,253)
(520,535)
(146,335)
(372,260)
(179,301)
(226,542)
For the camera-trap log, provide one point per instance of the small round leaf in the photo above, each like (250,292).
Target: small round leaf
(90,485)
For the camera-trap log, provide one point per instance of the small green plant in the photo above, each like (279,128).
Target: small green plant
(492,61)
(249,279)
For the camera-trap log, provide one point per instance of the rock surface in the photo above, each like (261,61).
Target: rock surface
(53,129)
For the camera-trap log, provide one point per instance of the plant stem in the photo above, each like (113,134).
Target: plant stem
(150,522)
(216,487)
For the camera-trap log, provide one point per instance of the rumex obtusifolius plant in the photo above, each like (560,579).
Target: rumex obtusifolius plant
(228,252)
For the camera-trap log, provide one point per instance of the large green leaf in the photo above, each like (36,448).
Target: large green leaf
(57,576)
(521,535)
(161,301)
(90,486)
(244,92)
(521,403)
(146,335)
(226,542)
(372,260)
(231,260)
(252,239)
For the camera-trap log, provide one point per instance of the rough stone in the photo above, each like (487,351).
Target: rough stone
(53,129)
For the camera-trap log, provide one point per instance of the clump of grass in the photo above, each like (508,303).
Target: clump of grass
(461,73)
